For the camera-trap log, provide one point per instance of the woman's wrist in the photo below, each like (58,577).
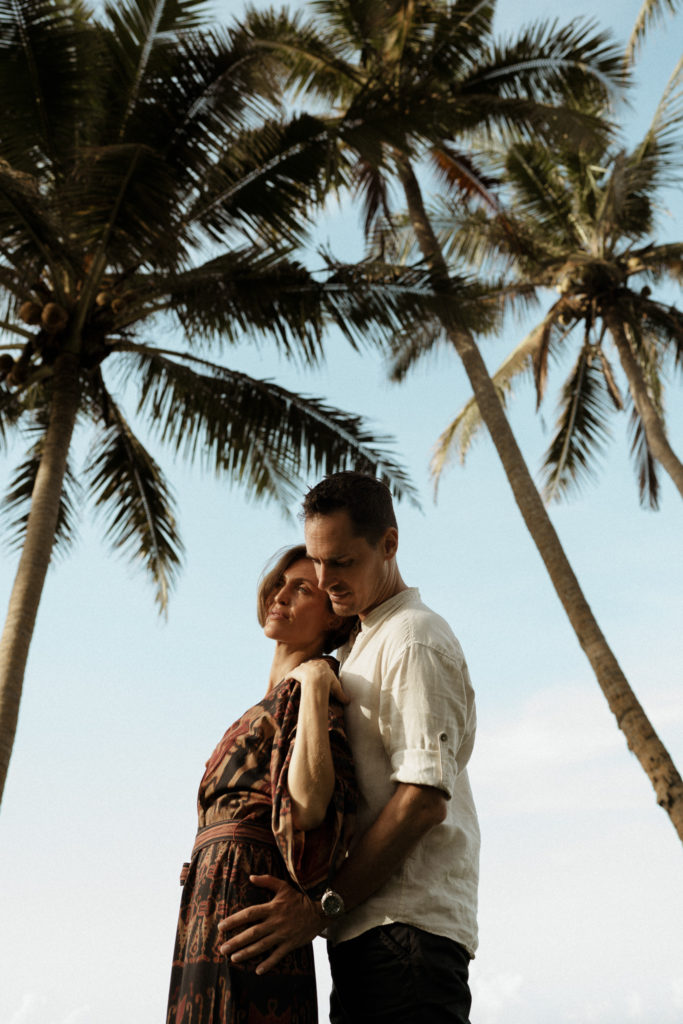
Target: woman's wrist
(318,677)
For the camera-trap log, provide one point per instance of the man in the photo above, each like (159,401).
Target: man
(401,916)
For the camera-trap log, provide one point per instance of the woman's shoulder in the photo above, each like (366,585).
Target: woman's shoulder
(288,680)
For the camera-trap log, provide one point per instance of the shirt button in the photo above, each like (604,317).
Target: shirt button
(443,737)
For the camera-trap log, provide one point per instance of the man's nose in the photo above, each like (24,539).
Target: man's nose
(324,576)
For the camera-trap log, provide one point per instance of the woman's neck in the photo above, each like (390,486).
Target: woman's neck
(286,658)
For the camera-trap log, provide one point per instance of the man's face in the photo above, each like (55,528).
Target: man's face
(352,572)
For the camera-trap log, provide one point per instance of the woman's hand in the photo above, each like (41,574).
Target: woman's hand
(319,675)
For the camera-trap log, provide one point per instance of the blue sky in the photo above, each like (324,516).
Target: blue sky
(581,891)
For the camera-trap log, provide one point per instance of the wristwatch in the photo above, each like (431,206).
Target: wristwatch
(332,904)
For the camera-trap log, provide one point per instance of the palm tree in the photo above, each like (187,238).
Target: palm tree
(147,177)
(581,222)
(435,63)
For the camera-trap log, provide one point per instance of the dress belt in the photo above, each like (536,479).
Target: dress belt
(238,830)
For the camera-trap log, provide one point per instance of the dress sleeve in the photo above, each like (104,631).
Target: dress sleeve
(313,856)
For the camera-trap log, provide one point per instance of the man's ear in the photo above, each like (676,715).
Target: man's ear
(390,542)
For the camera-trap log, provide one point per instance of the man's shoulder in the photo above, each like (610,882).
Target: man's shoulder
(413,622)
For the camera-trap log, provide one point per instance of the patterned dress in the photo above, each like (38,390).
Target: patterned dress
(245,828)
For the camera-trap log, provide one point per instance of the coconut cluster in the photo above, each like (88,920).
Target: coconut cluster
(52,318)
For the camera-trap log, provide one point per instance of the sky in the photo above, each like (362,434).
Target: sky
(581,894)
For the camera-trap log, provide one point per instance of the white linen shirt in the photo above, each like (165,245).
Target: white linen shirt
(412,719)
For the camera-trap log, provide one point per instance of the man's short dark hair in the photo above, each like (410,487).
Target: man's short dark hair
(366,499)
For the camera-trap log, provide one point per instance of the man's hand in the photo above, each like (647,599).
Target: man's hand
(288,921)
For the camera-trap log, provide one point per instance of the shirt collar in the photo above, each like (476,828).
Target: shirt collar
(388,607)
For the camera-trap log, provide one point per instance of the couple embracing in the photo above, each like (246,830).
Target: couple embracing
(340,803)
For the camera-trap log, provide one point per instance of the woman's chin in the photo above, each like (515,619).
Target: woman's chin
(273,630)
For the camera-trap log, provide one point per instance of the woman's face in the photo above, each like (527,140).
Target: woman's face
(297,612)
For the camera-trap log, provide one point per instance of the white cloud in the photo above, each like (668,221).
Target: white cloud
(30,1009)
(33,1009)
(75,1016)
(677,993)
(494,995)
(635,1007)
(562,750)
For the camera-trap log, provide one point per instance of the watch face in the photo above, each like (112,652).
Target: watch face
(332,904)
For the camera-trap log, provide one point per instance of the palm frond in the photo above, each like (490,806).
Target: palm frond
(459,172)
(11,411)
(665,324)
(193,167)
(42,67)
(624,208)
(644,463)
(541,193)
(374,303)
(262,436)
(658,261)
(136,501)
(651,12)
(410,346)
(17,500)
(140,27)
(127,209)
(455,441)
(582,430)
(246,292)
(610,382)
(266,179)
(215,85)
(371,186)
(249,292)
(575,61)
(312,57)
(659,151)
(648,355)
(547,336)
(483,241)
(31,239)
(475,307)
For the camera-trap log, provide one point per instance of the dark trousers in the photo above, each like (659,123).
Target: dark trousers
(398,974)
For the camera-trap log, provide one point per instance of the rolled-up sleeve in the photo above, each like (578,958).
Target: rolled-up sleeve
(427,717)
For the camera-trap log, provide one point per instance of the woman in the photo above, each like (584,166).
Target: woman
(268,806)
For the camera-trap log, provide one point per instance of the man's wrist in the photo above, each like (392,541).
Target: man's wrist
(332,904)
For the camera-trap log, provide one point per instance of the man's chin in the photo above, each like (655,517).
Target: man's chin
(342,605)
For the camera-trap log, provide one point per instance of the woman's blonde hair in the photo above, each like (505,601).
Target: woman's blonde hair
(273,573)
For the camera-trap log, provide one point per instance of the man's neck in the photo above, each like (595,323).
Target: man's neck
(393,585)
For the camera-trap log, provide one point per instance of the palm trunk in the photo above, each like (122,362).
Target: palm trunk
(35,555)
(655,434)
(631,718)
